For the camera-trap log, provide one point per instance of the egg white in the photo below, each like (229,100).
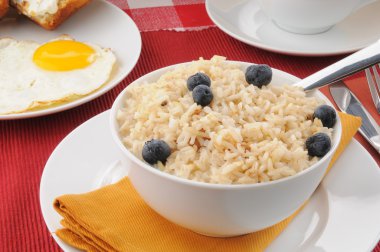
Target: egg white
(25,86)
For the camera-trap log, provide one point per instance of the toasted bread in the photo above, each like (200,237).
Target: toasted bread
(4,6)
(48,20)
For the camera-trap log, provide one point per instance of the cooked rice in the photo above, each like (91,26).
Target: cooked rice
(247,135)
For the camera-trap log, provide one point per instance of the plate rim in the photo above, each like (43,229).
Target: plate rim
(258,44)
(95,94)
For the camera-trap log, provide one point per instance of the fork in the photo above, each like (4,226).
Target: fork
(372,79)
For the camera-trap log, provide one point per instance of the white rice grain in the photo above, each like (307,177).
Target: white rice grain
(247,134)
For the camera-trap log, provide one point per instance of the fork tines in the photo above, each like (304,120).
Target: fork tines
(372,78)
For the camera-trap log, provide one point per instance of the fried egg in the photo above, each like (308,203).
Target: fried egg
(34,75)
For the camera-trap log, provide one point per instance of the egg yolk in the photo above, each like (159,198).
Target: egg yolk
(63,55)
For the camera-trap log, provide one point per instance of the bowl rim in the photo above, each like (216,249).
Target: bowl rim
(141,80)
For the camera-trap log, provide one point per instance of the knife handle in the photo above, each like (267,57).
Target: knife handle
(353,63)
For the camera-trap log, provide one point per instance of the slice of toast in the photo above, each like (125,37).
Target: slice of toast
(48,19)
(4,6)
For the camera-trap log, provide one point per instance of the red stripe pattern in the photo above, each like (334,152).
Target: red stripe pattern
(154,15)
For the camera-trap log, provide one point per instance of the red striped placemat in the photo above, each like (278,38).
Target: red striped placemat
(179,15)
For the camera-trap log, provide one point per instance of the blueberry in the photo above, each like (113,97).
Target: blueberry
(258,75)
(326,114)
(198,79)
(202,95)
(318,145)
(155,150)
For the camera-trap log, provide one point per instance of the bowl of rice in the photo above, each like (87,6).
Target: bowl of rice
(223,148)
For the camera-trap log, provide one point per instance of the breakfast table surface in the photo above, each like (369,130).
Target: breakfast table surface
(172,32)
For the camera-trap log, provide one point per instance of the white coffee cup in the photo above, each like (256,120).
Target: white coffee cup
(309,16)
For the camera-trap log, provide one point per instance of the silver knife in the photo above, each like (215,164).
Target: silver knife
(347,102)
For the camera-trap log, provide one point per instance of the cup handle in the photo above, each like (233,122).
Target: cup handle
(113,173)
(362,4)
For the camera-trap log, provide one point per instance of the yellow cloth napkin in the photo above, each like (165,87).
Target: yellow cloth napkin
(115,218)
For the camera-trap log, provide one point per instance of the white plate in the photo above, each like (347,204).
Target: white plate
(100,23)
(342,215)
(243,20)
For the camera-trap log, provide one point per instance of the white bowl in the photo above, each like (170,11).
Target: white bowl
(215,209)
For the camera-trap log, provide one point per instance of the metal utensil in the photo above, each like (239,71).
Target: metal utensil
(348,103)
(372,79)
(353,63)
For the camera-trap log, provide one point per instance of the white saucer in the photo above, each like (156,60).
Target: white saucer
(243,20)
(342,215)
(100,23)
